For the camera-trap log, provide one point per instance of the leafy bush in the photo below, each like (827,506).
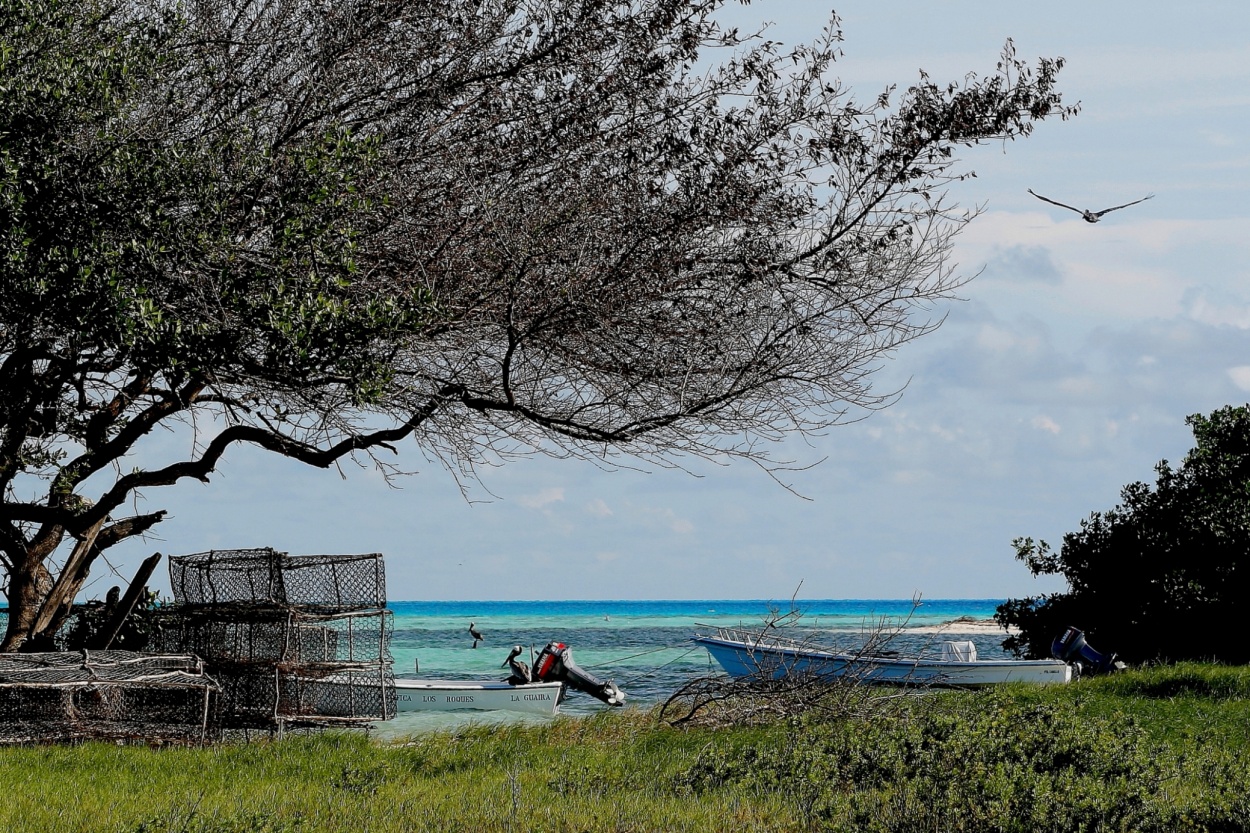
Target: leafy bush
(91,618)
(990,761)
(1159,576)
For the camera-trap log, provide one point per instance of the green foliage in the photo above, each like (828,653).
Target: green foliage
(1161,575)
(1188,679)
(119,219)
(89,619)
(186,820)
(1161,749)
(362,780)
(985,762)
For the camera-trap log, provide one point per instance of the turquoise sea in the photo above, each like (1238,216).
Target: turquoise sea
(644,646)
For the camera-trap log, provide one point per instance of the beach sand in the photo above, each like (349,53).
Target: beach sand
(964,624)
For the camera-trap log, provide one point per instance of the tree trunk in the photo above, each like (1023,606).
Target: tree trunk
(38,605)
(29,585)
(59,601)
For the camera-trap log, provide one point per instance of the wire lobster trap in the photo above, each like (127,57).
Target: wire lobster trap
(105,695)
(294,641)
(265,576)
(259,697)
(280,665)
(277,635)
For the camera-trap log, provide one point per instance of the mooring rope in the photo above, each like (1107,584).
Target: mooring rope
(635,656)
(660,668)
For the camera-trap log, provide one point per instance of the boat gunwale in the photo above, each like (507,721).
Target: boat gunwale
(775,648)
(413,684)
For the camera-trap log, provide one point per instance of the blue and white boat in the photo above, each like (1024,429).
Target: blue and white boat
(744,653)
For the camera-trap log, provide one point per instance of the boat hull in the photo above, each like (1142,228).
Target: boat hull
(482,695)
(776,660)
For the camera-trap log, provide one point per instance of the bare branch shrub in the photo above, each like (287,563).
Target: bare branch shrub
(776,692)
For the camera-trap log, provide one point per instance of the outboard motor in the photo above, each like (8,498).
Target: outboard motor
(1072,648)
(555,662)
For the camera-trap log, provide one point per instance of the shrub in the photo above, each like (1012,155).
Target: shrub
(1158,576)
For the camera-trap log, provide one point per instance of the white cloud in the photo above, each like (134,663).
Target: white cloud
(1240,376)
(1045,423)
(1203,73)
(681,526)
(1218,309)
(1030,263)
(997,338)
(1130,267)
(1085,387)
(1218,138)
(910,477)
(1218,163)
(599,509)
(542,498)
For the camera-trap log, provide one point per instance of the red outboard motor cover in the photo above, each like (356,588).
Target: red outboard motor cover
(546,666)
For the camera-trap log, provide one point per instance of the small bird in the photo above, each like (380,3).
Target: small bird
(1086,214)
(521,673)
(476,634)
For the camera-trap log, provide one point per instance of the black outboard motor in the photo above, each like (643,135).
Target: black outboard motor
(555,662)
(1072,648)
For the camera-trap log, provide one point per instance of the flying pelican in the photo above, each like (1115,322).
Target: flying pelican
(521,673)
(1087,215)
(476,634)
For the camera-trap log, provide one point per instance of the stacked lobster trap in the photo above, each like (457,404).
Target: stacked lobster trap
(293,641)
(105,695)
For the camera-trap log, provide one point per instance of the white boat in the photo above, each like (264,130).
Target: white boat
(552,673)
(486,695)
(744,653)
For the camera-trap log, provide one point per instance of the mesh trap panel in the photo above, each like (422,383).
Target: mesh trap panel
(110,695)
(277,635)
(358,694)
(264,576)
(284,666)
(226,576)
(95,666)
(337,582)
(258,697)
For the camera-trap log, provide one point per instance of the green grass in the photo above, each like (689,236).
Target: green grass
(1157,749)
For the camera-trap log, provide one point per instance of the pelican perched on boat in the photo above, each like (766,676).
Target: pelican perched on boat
(521,673)
(1086,214)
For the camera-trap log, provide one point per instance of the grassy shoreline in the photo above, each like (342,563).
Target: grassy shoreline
(1156,749)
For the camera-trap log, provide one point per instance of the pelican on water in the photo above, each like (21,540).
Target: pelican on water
(1086,214)
(476,634)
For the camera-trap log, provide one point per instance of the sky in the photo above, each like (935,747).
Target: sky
(1065,371)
